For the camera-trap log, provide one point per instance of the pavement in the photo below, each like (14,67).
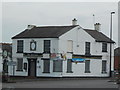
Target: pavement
(63,83)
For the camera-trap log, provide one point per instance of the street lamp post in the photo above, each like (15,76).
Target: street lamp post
(110,43)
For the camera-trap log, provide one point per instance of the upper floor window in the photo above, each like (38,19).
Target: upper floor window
(20,46)
(104,47)
(46,46)
(87,48)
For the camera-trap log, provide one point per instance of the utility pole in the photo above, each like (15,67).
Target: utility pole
(110,43)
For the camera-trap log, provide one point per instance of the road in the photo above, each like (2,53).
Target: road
(63,84)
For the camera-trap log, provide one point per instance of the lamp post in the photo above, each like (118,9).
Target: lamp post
(110,43)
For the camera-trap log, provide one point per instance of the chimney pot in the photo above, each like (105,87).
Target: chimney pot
(74,21)
(97,26)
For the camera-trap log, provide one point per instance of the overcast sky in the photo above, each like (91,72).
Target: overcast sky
(16,16)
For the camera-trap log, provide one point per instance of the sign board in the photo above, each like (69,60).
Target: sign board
(12,63)
(46,55)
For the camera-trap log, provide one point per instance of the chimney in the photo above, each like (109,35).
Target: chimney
(74,22)
(97,26)
(30,27)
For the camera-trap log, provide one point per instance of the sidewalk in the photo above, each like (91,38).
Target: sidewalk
(24,79)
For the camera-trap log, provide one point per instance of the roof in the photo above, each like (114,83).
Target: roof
(99,36)
(44,32)
(6,46)
(117,51)
(57,31)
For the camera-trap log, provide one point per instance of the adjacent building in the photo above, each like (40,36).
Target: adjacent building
(117,58)
(62,51)
(5,56)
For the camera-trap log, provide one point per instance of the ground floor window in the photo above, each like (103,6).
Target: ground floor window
(46,67)
(87,66)
(57,65)
(69,66)
(104,63)
(19,64)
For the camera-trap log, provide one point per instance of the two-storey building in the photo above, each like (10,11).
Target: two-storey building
(62,51)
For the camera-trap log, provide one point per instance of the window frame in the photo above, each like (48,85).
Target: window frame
(19,69)
(104,47)
(48,49)
(87,48)
(69,62)
(104,71)
(20,46)
(87,71)
(54,65)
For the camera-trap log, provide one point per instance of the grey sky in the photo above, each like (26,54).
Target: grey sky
(16,16)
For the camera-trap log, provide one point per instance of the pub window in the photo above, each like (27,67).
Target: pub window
(69,66)
(104,63)
(20,46)
(46,46)
(87,66)
(19,64)
(57,65)
(46,67)
(87,48)
(104,47)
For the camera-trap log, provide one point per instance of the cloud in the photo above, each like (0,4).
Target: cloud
(16,16)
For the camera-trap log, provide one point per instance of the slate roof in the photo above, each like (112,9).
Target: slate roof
(99,36)
(57,31)
(44,32)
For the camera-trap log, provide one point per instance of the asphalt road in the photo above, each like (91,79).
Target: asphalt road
(63,84)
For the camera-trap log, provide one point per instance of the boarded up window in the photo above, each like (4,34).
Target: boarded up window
(87,48)
(46,46)
(20,64)
(70,46)
(69,66)
(20,46)
(46,68)
(87,66)
(104,66)
(57,65)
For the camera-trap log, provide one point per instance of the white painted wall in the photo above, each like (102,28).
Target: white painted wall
(79,69)
(79,37)
(39,49)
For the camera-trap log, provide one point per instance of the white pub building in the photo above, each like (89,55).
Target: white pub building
(62,51)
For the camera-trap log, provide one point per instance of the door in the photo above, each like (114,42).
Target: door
(32,67)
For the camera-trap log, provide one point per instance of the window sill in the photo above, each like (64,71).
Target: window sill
(104,72)
(19,52)
(104,52)
(19,70)
(70,52)
(57,71)
(45,72)
(87,72)
(69,72)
